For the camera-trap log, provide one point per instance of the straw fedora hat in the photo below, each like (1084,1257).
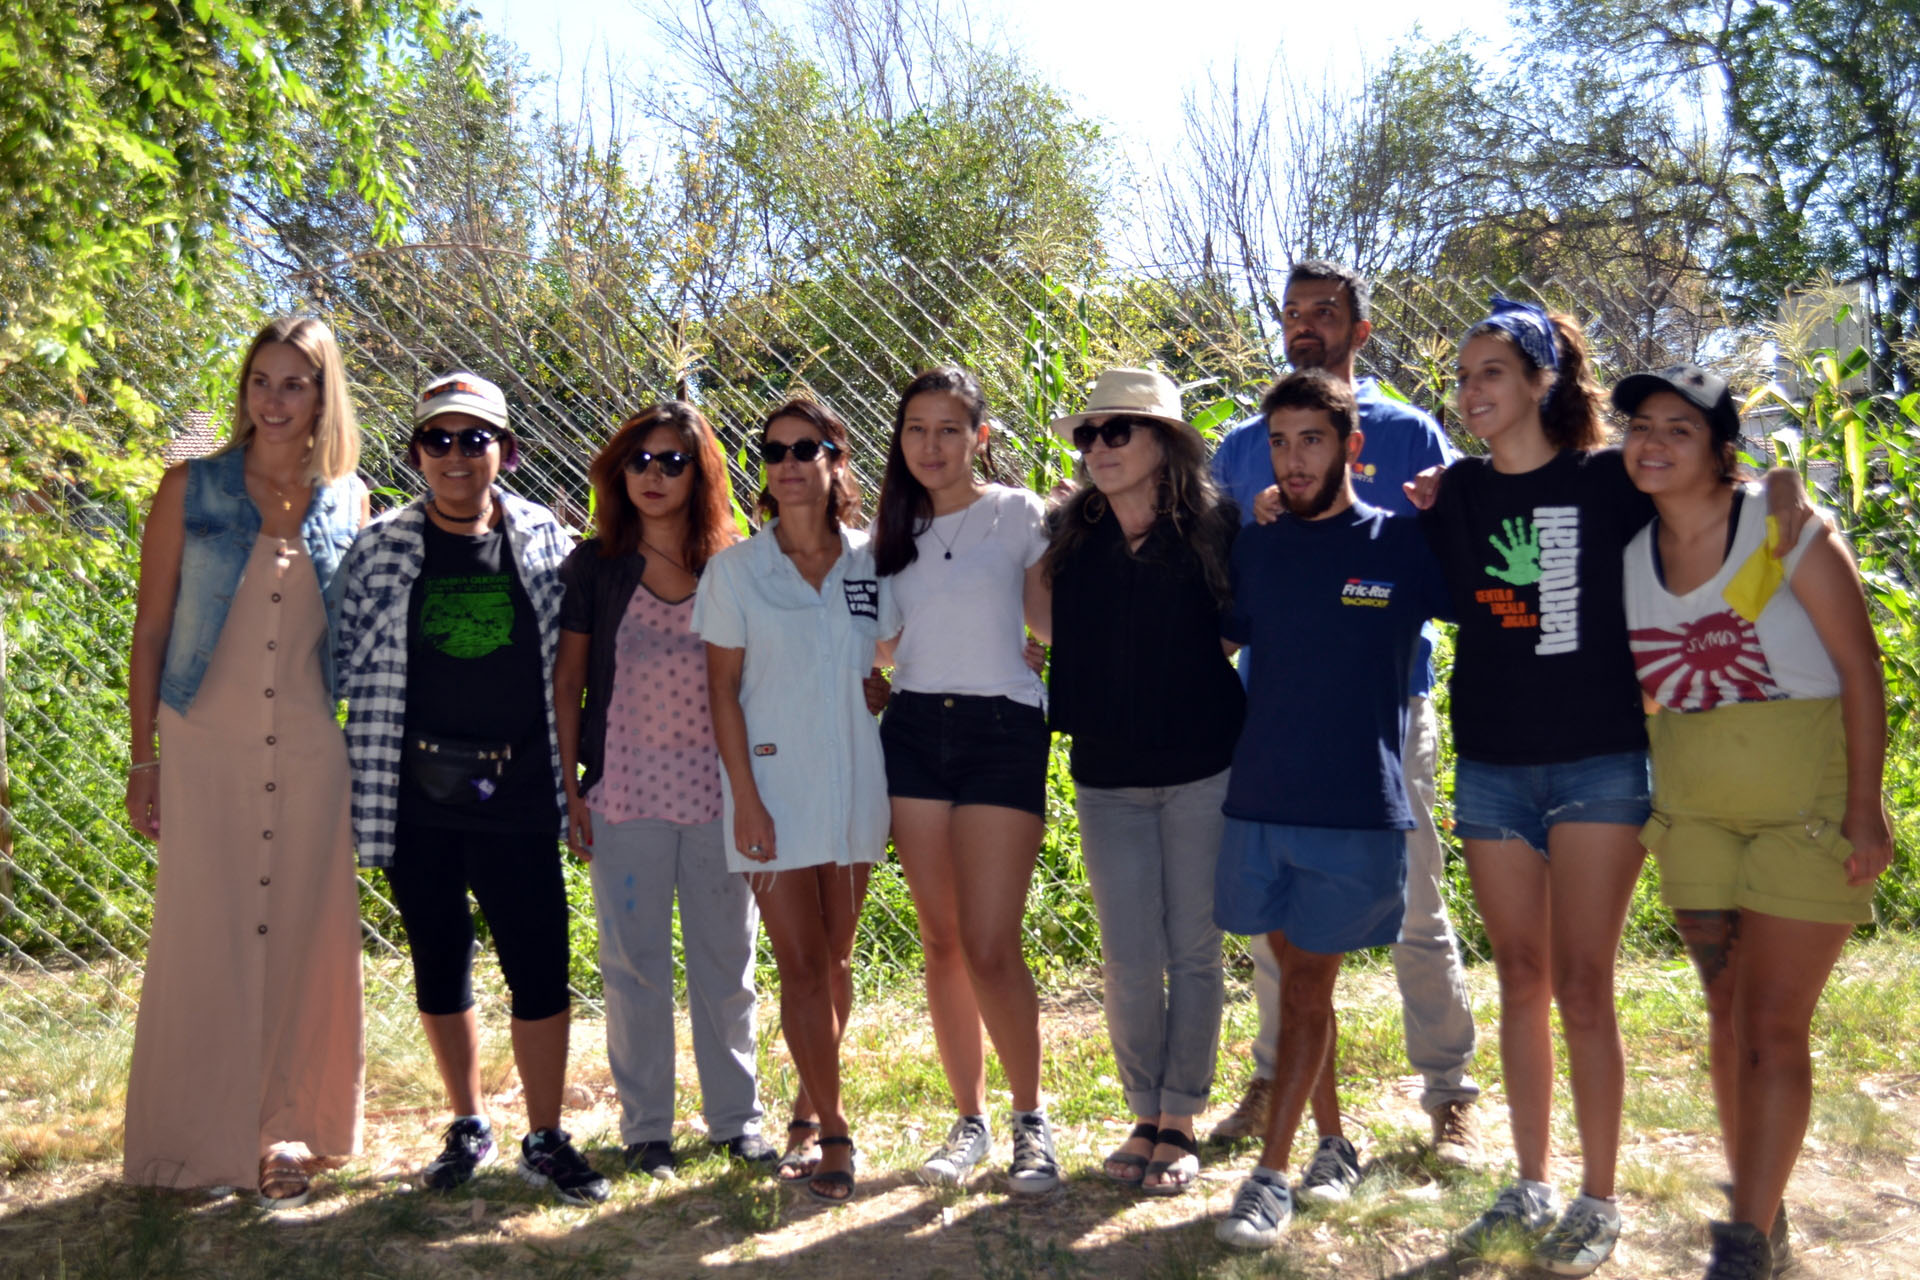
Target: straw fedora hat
(1137,393)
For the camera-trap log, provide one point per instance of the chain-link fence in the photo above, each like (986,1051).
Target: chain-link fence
(576,355)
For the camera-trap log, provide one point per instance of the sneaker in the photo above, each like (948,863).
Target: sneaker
(1522,1213)
(967,1145)
(1249,1119)
(1334,1171)
(1035,1169)
(1582,1239)
(1456,1134)
(469,1146)
(547,1159)
(1777,1239)
(1740,1252)
(749,1149)
(655,1159)
(1259,1217)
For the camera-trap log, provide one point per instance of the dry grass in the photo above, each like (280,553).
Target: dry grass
(63,1214)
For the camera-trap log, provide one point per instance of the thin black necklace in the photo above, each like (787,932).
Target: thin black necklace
(663,555)
(486,513)
(956,533)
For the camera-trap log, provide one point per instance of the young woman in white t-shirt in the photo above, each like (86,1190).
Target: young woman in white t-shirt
(966,744)
(1768,747)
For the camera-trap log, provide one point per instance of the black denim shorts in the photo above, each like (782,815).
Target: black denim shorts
(966,750)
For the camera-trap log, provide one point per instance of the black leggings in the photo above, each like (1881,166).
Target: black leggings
(515,877)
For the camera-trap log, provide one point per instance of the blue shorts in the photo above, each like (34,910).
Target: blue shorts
(1523,801)
(1330,890)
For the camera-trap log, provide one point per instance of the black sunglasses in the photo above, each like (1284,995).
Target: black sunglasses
(435,441)
(1116,431)
(772,451)
(672,463)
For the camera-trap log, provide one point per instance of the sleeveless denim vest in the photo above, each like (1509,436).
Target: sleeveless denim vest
(221,526)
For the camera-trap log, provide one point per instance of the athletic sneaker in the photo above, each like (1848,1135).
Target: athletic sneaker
(547,1159)
(1582,1239)
(1740,1252)
(1035,1169)
(1259,1217)
(1334,1171)
(1778,1239)
(966,1146)
(1522,1212)
(469,1145)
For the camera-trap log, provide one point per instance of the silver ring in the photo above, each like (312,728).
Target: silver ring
(754,848)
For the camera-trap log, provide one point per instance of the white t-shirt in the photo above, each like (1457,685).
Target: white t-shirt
(813,745)
(1740,636)
(961,618)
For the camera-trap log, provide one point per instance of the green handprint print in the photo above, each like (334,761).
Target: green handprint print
(1520,549)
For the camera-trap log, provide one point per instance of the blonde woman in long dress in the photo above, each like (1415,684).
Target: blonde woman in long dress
(247,1054)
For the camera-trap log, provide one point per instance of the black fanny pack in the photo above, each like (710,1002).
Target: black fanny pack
(454,770)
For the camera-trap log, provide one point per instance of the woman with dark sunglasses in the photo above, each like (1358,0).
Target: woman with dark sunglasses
(247,1057)
(791,620)
(642,779)
(449,623)
(966,746)
(1142,684)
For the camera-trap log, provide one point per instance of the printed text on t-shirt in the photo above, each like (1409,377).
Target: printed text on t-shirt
(1542,553)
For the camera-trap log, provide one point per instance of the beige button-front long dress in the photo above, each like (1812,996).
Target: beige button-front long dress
(249,1031)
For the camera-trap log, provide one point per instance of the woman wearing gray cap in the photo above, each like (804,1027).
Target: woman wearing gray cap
(1768,747)
(453,596)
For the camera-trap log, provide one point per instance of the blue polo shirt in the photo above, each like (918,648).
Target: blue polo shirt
(1400,443)
(1335,606)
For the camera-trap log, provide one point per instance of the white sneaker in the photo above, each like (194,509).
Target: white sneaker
(1036,1168)
(1523,1212)
(1259,1217)
(1582,1239)
(1333,1173)
(953,1163)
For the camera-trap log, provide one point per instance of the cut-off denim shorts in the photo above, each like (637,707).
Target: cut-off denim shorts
(1524,801)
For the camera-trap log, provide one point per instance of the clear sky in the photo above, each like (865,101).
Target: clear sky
(1125,62)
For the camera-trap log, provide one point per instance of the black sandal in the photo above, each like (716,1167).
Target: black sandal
(1186,1169)
(796,1163)
(840,1180)
(1135,1164)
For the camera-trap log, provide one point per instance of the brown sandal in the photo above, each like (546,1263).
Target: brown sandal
(284,1181)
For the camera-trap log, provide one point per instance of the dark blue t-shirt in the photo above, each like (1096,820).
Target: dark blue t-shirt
(1335,608)
(1399,443)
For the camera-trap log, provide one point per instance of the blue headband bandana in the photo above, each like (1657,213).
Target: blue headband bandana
(1528,326)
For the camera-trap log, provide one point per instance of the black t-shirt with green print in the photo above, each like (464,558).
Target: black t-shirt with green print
(474,673)
(1541,671)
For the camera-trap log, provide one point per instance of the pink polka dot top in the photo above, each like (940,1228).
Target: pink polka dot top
(660,760)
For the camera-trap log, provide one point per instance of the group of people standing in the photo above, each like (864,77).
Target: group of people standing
(695,714)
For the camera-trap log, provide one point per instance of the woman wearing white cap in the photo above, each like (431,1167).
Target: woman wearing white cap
(1141,682)
(449,626)
(247,1055)
(966,742)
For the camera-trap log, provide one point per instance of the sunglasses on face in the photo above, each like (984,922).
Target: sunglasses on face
(1116,431)
(436,441)
(672,462)
(773,451)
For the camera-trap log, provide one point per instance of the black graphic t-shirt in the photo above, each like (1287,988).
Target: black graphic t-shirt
(474,673)
(1541,673)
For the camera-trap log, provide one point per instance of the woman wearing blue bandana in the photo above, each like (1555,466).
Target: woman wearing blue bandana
(1551,786)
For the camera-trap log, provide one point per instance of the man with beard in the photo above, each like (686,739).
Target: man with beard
(1332,594)
(1324,313)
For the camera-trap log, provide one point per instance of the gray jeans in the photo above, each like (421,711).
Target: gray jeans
(1149,853)
(1426,960)
(637,867)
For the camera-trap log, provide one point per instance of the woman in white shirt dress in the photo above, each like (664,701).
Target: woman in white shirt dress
(791,618)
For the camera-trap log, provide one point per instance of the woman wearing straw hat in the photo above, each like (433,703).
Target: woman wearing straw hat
(966,743)
(247,1057)
(1141,682)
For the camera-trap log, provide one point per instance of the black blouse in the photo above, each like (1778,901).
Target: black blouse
(1138,677)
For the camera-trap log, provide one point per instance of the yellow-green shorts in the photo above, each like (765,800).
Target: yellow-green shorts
(1747,804)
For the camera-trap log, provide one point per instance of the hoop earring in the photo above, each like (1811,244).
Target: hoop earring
(1087,511)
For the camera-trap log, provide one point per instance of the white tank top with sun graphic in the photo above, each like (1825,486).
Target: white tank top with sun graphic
(1740,636)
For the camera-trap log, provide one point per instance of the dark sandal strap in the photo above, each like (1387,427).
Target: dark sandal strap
(1175,1138)
(1145,1129)
(837,1140)
(794,1126)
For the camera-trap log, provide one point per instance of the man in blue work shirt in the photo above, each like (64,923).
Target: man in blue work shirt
(1324,324)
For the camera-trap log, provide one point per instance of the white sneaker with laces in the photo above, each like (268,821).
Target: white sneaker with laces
(1259,1217)
(1333,1173)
